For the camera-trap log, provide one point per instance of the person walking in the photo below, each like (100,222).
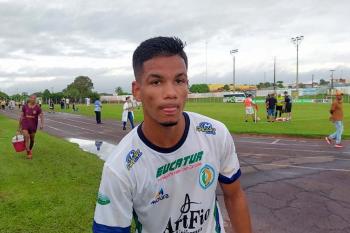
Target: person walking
(28,123)
(128,113)
(336,117)
(164,173)
(98,107)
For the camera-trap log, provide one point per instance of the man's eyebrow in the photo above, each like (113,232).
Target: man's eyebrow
(181,74)
(155,76)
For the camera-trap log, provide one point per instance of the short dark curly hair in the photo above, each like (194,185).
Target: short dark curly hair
(154,47)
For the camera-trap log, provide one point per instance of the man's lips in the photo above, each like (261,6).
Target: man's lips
(169,109)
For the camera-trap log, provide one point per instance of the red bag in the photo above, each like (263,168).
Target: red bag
(19,143)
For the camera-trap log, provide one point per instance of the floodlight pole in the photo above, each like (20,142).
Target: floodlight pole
(332,81)
(296,41)
(232,52)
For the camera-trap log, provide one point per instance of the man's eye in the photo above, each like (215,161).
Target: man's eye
(155,82)
(180,81)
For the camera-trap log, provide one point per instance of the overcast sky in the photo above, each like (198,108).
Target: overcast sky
(46,44)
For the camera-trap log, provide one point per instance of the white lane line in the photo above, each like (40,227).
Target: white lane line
(92,131)
(87,123)
(314,151)
(57,129)
(305,167)
(282,144)
(276,141)
(292,157)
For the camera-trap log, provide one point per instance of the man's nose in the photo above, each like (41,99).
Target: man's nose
(169,90)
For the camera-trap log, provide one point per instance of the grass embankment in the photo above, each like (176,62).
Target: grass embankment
(54,192)
(309,120)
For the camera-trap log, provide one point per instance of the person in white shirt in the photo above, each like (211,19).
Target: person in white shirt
(128,113)
(164,173)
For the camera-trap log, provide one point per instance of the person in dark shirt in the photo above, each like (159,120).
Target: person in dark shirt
(271,107)
(288,105)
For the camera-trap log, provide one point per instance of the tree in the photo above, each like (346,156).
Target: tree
(46,95)
(94,96)
(264,85)
(323,82)
(83,85)
(72,93)
(3,95)
(226,87)
(199,88)
(119,90)
(280,84)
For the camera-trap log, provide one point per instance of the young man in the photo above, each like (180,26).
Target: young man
(271,108)
(128,113)
(249,108)
(28,123)
(165,171)
(336,117)
(287,105)
(98,107)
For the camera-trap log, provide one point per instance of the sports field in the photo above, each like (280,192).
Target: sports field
(309,120)
(56,192)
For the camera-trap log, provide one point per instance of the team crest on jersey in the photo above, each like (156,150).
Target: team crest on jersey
(161,195)
(206,128)
(132,157)
(103,199)
(206,176)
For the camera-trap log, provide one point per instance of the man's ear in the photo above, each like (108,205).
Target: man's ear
(136,91)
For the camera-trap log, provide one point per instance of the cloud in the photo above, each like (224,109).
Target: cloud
(64,39)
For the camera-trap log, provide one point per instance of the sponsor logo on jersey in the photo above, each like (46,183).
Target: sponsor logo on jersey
(132,158)
(206,128)
(206,176)
(179,165)
(159,196)
(103,199)
(192,218)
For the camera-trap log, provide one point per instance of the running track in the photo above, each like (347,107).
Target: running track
(293,185)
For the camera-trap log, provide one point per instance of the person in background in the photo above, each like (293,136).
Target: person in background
(336,117)
(267,106)
(98,107)
(279,106)
(67,103)
(62,104)
(287,106)
(51,106)
(128,113)
(249,108)
(28,123)
(271,105)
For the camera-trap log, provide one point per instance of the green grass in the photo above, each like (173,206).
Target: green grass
(55,192)
(309,120)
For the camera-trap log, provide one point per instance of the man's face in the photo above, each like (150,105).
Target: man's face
(162,87)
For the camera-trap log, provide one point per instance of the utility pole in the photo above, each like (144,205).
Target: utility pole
(274,75)
(312,81)
(232,52)
(296,41)
(332,86)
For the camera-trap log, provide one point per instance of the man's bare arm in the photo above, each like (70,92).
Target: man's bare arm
(41,120)
(237,207)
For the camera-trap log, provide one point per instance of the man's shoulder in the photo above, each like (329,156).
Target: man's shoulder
(200,120)
(119,159)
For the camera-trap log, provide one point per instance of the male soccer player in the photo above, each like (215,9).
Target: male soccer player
(249,108)
(288,106)
(98,106)
(165,171)
(337,116)
(28,123)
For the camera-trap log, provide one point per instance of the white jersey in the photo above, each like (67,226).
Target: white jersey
(167,189)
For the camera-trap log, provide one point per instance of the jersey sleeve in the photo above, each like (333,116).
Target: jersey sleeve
(113,213)
(229,165)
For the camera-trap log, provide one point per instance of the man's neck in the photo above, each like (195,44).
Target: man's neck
(162,136)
